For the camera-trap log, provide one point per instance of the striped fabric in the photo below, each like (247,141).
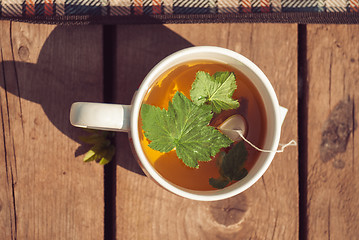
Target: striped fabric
(28,8)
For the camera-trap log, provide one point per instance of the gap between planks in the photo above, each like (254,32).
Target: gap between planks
(302,131)
(109,63)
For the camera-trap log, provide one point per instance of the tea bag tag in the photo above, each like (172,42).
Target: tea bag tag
(283,146)
(235,127)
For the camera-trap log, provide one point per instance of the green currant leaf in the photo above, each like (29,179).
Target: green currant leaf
(216,90)
(183,127)
(231,166)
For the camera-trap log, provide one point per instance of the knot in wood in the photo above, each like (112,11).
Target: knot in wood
(337,129)
(230,211)
(24,53)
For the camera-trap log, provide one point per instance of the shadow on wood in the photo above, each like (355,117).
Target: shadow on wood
(43,69)
(46,82)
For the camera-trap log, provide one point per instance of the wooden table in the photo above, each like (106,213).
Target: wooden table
(47,192)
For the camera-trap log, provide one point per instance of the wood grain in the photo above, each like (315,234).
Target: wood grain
(46,192)
(333,189)
(268,210)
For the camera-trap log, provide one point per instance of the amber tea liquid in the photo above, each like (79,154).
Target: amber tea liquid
(180,78)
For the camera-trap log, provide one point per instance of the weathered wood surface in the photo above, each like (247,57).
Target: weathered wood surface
(268,210)
(333,170)
(45,191)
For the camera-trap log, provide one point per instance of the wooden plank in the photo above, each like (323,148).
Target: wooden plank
(46,191)
(333,85)
(268,210)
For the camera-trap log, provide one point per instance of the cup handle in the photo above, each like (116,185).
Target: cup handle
(282,113)
(101,116)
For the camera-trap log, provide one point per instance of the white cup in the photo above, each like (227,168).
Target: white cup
(117,117)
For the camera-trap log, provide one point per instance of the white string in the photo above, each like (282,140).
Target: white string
(283,146)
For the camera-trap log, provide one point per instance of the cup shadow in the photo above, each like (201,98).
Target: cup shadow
(65,73)
(60,76)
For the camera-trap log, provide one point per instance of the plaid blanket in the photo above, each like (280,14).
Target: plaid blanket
(55,9)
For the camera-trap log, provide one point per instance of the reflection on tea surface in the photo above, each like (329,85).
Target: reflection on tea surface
(180,79)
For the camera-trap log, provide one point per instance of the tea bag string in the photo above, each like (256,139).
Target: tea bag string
(283,146)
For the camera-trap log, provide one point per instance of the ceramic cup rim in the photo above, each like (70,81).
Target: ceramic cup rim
(271,102)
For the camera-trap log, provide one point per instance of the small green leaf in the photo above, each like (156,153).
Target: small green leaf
(219,183)
(94,153)
(231,166)
(184,126)
(90,156)
(240,174)
(102,149)
(216,90)
(108,155)
(234,160)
